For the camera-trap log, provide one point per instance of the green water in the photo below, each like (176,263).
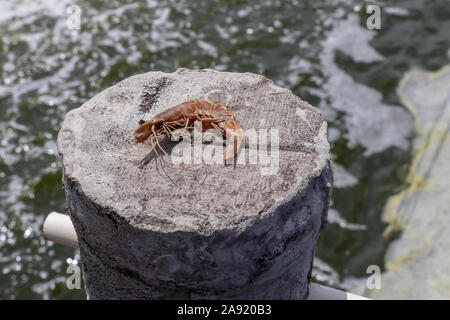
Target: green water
(47,69)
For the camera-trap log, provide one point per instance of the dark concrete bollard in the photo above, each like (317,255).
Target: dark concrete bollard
(149,230)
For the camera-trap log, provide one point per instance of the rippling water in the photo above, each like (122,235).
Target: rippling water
(319,49)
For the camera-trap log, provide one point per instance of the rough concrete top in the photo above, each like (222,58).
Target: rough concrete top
(96,142)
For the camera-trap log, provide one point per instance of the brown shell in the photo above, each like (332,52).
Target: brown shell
(212,114)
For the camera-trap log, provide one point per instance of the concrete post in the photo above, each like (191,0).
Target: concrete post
(149,230)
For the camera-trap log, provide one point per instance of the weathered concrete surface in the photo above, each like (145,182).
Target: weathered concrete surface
(417,263)
(213,232)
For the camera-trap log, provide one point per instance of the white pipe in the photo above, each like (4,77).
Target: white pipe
(59,228)
(320,292)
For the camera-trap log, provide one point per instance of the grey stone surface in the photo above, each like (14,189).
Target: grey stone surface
(149,231)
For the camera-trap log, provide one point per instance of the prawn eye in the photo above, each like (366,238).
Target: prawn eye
(141,122)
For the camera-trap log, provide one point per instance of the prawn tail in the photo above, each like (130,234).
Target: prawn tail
(143,132)
(234,142)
